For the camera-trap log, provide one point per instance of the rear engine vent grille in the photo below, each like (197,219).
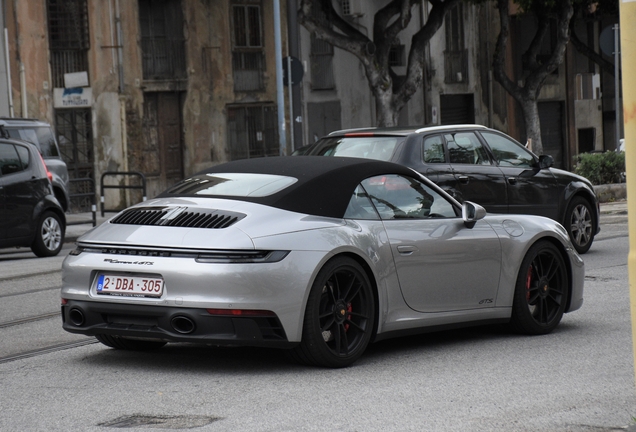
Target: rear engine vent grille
(178,217)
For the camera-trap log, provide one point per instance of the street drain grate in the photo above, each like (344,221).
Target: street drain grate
(160,422)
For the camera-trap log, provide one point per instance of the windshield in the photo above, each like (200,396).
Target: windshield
(367,147)
(232,184)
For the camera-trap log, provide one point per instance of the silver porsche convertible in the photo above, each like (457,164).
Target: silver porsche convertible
(320,256)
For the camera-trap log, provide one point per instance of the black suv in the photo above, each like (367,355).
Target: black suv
(41,134)
(30,215)
(479,164)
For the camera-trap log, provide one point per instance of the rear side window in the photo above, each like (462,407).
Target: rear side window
(23,154)
(42,137)
(434,150)
(10,160)
(367,147)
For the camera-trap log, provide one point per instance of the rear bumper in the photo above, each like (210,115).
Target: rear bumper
(172,324)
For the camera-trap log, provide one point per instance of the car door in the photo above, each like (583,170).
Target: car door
(478,178)
(20,188)
(441,264)
(530,190)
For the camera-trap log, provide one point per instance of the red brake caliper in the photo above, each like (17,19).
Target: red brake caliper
(528,281)
(349,309)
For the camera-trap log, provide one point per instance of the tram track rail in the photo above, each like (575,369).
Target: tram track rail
(46,350)
(28,275)
(31,291)
(29,319)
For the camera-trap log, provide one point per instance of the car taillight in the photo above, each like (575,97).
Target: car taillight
(241,312)
(48,173)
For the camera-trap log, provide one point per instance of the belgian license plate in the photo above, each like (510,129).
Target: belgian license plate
(129,286)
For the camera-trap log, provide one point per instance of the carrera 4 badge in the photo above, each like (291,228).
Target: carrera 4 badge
(116,261)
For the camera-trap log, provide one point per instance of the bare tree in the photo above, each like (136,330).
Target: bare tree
(373,54)
(535,69)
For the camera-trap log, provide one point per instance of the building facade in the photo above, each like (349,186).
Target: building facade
(161,87)
(169,87)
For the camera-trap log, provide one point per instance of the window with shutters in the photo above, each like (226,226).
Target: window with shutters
(162,39)
(321,64)
(68,38)
(455,55)
(248,59)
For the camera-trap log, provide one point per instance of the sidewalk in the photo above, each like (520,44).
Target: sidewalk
(74,231)
(611,212)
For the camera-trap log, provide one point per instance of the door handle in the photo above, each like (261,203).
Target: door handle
(406,249)
(463,179)
(512,180)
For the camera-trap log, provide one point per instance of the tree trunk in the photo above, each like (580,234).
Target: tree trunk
(536,72)
(530,110)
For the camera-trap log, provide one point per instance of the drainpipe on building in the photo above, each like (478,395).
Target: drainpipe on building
(122,86)
(280,96)
(8,64)
(25,111)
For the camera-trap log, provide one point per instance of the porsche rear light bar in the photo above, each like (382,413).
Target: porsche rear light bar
(241,312)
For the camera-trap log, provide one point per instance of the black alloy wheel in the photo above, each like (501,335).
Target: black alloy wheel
(339,318)
(128,344)
(49,237)
(541,292)
(579,221)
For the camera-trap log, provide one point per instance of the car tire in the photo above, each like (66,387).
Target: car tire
(49,235)
(541,291)
(579,222)
(339,318)
(129,344)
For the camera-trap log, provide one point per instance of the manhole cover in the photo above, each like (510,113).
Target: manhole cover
(159,422)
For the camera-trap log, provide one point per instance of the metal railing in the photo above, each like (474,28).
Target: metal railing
(103,186)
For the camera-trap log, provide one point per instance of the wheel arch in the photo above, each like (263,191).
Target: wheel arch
(573,191)
(60,195)
(372,279)
(568,265)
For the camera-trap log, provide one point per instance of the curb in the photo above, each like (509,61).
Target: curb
(611,192)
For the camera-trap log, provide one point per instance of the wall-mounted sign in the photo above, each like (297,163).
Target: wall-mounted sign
(78,97)
(76,79)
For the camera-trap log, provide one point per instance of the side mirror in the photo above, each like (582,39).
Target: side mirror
(545,161)
(471,213)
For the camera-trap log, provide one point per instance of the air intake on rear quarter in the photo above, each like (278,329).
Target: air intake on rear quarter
(178,217)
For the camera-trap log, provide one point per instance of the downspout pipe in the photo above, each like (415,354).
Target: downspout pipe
(120,48)
(23,91)
(8,65)
(280,95)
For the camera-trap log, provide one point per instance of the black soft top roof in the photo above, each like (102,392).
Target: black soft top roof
(324,185)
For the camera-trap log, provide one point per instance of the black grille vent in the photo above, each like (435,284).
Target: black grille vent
(178,217)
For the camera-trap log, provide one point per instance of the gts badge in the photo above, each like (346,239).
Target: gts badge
(485,301)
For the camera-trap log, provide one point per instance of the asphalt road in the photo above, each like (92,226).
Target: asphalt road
(579,378)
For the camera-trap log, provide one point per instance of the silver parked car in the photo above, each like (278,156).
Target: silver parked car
(318,255)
